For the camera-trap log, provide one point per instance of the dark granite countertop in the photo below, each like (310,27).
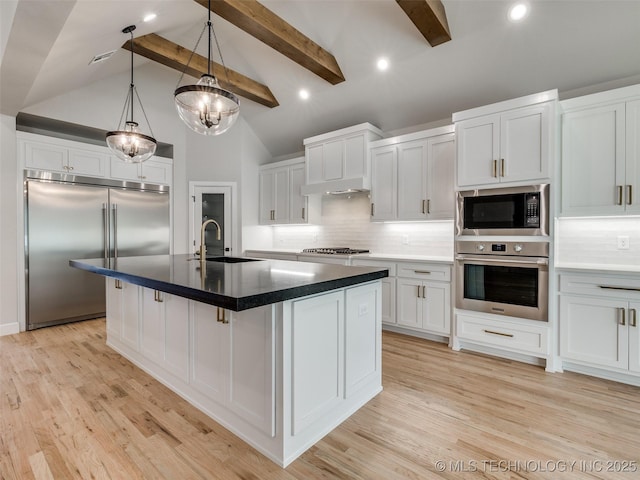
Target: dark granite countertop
(235,286)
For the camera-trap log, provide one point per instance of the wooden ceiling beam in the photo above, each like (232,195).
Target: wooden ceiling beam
(266,26)
(430,19)
(161,50)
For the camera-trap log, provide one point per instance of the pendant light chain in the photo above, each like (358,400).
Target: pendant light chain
(143,112)
(131,86)
(191,56)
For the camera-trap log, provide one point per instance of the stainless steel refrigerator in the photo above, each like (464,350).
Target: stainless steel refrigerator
(69,217)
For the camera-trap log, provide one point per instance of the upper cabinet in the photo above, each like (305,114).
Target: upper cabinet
(281,199)
(507,143)
(40,152)
(601,153)
(339,161)
(413,176)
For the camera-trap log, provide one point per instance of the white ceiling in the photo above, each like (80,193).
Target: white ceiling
(570,45)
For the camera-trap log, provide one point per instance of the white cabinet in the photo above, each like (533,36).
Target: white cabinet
(339,160)
(123,312)
(388,288)
(599,322)
(151,171)
(601,153)
(506,143)
(281,199)
(424,304)
(413,176)
(57,158)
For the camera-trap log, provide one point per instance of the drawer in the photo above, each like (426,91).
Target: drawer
(357,262)
(425,271)
(627,288)
(504,334)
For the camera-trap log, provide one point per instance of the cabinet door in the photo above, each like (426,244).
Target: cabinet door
(355,157)
(130,333)
(176,335)
(478,150)
(525,144)
(43,156)
(298,212)
(84,162)
(333,160)
(441,198)
(114,308)
(155,172)
(383,183)
(591,331)
(120,170)
(632,171)
(412,180)
(389,301)
(314,158)
(409,302)
(437,308)
(593,160)
(210,351)
(267,197)
(281,198)
(634,336)
(153,333)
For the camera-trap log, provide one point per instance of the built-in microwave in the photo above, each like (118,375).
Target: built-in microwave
(504,211)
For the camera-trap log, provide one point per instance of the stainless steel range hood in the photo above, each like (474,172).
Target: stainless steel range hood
(336,187)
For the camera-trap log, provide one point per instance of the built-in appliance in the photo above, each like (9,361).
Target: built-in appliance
(504,211)
(334,250)
(70,217)
(504,278)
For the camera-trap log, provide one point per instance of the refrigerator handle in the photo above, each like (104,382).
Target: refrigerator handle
(105,230)
(115,230)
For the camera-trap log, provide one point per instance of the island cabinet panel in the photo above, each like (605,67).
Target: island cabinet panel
(130,332)
(252,374)
(317,332)
(210,346)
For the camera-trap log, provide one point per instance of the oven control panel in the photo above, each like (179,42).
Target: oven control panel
(525,249)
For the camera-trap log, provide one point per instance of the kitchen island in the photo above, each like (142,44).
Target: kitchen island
(278,352)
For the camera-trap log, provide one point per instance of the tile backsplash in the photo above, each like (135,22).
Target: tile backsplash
(345,222)
(594,241)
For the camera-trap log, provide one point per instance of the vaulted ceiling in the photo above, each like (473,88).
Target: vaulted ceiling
(569,45)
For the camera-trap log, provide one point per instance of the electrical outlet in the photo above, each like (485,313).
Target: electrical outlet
(623,242)
(405,239)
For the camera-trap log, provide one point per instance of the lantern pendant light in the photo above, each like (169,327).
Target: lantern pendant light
(205,107)
(128,143)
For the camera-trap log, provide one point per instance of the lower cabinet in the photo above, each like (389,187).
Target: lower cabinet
(599,322)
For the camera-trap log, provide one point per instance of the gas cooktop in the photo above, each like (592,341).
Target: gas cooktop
(334,251)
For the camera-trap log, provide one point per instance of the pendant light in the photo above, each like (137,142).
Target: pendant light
(128,143)
(205,107)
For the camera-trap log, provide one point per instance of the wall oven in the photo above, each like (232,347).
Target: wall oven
(504,211)
(504,278)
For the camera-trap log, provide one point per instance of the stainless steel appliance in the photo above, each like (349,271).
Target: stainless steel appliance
(504,211)
(504,278)
(71,217)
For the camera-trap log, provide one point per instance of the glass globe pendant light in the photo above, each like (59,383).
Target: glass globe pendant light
(205,107)
(128,143)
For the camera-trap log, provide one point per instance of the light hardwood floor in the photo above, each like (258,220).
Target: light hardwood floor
(72,408)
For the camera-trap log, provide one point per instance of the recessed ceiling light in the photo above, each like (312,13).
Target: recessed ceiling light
(382,64)
(149,16)
(303,94)
(518,11)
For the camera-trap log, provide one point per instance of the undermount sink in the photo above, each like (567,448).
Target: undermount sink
(231,259)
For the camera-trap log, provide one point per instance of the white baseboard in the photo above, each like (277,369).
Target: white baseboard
(9,328)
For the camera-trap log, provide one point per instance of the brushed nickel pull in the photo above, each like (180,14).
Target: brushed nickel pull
(502,167)
(105,231)
(157,296)
(70,168)
(424,291)
(632,317)
(629,194)
(495,168)
(423,272)
(114,207)
(622,315)
(619,188)
(220,316)
(303,212)
(419,291)
(372,209)
(424,207)
(428,205)
(118,284)
(628,289)
(510,335)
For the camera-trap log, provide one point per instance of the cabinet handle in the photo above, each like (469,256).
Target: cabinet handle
(142,177)
(491,332)
(628,289)
(303,212)
(424,291)
(220,316)
(372,209)
(632,317)
(424,207)
(502,167)
(495,168)
(619,188)
(629,194)
(428,205)
(70,168)
(419,292)
(118,284)
(622,316)
(157,296)
(423,272)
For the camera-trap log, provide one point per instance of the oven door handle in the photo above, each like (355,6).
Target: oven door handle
(489,260)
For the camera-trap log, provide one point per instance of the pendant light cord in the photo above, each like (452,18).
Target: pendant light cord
(131,85)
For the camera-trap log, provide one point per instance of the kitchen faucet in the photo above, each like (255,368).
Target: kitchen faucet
(203,247)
